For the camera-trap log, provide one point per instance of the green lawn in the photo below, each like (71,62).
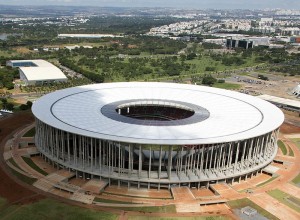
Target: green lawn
(282,147)
(2,202)
(51,209)
(177,218)
(13,162)
(240,203)
(269,180)
(22,177)
(160,209)
(291,152)
(30,133)
(284,198)
(227,85)
(110,201)
(297,142)
(296,180)
(34,166)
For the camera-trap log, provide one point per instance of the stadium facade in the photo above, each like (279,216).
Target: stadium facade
(157,134)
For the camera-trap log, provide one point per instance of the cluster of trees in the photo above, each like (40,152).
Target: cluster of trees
(43,89)
(126,68)
(157,45)
(292,70)
(6,104)
(263,77)
(206,79)
(98,78)
(233,60)
(9,105)
(26,106)
(7,75)
(209,46)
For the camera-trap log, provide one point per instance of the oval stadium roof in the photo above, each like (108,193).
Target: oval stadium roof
(233,116)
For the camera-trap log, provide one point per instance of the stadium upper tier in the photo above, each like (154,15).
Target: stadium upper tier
(114,111)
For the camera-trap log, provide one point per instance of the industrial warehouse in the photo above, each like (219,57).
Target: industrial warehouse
(157,134)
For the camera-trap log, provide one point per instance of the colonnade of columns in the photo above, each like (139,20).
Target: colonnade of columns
(169,164)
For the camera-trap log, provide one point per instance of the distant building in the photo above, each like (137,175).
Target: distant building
(88,35)
(247,42)
(220,41)
(234,43)
(72,47)
(290,31)
(37,72)
(295,39)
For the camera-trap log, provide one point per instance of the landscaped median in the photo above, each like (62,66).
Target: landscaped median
(282,147)
(30,163)
(241,203)
(286,199)
(13,169)
(296,180)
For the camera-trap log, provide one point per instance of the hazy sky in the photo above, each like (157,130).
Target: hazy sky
(218,4)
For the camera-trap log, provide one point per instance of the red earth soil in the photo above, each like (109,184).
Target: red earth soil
(10,187)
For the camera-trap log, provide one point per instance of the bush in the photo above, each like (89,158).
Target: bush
(209,68)
(208,80)
(262,77)
(23,107)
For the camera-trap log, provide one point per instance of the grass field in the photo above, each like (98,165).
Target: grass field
(34,166)
(22,177)
(240,203)
(51,209)
(286,199)
(160,209)
(291,152)
(297,142)
(2,202)
(269,180)
(30,133)
(177,218)
(296,180)
(110,201)
(227,85)
(282,147)
(13,162)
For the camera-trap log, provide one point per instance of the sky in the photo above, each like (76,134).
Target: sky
(197,4)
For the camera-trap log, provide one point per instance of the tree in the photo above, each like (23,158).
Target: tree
(29,104)
(208,80)
(191,56)
(10,106)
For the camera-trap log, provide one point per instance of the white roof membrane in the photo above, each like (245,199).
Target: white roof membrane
(232,116)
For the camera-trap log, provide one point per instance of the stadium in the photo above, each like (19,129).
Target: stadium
(157,134)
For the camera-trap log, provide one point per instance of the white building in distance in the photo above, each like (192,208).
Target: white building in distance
(37,72)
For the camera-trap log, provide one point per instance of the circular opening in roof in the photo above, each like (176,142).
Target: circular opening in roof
(155,112)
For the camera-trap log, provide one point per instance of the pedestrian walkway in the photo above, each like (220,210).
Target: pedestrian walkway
(94,186)
(273,206)
(82,197)
(182,194)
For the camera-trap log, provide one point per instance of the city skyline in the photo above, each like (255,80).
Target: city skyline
(189,4)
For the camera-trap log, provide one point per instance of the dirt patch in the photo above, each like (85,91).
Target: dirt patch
(10,188)
(287,128)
